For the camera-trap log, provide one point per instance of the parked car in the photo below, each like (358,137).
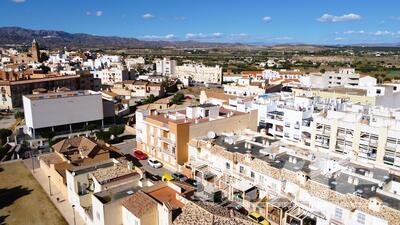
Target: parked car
(140,155)
(256,217)
(179,176)
(167,177)
(208,176)
(154,163)
(192,182)
(151,176)
(238,208)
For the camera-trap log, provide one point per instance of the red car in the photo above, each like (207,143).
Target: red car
(140,155)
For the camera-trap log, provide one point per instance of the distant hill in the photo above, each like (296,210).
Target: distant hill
(59,39)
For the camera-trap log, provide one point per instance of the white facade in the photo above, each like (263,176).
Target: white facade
(111,76)
(165,66)
(200,73)
(56,109)
(345,77)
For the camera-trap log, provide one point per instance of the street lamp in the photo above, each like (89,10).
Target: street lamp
(33,165)
(50,186)
(73,211)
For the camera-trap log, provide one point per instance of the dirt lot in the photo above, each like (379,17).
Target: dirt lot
(22,200)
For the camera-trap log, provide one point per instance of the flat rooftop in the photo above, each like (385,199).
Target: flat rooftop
(117,193)
(67,94)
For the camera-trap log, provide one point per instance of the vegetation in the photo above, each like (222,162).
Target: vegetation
(150,99)
(103,135)
(4,133)
(90,127)
(116,130)
(177,98)
(19,115)
(48,134)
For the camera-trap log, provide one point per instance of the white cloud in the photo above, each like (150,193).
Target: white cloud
(327,18)
(96,13)
(362,32)
(239,35)
(340,39)
(266,19)
(395,17)
(204,36)
(383,33)
(282,38)
(160,37)
(18,1)
(148,16)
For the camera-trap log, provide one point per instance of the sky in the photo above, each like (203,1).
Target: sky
(245,21)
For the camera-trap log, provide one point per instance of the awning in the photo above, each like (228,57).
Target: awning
(243,185)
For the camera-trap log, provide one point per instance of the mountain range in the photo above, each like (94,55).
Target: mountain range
(11,36)
(59,39)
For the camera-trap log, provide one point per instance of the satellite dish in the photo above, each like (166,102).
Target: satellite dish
(228,140)
(211,134)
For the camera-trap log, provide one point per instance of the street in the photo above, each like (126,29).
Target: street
(128,146)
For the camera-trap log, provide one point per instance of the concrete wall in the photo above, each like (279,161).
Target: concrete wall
(48,112)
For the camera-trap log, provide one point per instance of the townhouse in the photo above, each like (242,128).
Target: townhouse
(164,135)
(291,185)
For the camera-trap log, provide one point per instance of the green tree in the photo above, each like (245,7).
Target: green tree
(48,134)
(322,71)
(117,129)
(44,68)
(150,99)
(4,133)
(103,135)
(19,115)
(90,127)
(177,98)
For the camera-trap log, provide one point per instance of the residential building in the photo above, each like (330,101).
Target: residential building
(291,185)
(164,135)
(159,204)
(380,95)
(165,66)
(112,75)
(200,73)
(12,91)
(345,77)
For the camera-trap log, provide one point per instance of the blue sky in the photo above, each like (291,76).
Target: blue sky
(249,21)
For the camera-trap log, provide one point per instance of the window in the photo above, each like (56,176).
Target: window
(338,213)
(360,218)
(241,169)
(252,174)
(228,166)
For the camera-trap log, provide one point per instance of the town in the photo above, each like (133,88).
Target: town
(199,128)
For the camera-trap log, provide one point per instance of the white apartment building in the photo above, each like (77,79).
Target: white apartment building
(132,62)
(165,66)
(200,73)
(246,87)
(63,111)
(345,77)
(112,75)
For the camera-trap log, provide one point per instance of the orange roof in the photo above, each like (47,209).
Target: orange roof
(251,72)
(292,72)
(167,195)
